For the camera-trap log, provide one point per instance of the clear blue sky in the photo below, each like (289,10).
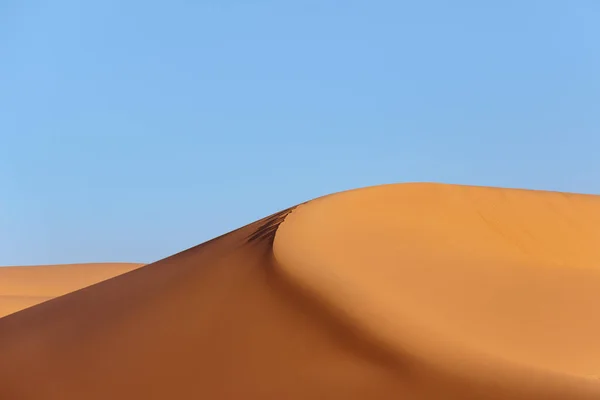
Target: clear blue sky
(130,130)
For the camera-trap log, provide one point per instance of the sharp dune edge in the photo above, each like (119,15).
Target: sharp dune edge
(411,291)
(22,287)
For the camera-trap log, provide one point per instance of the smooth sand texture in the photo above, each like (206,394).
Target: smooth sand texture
(22,287)
(413,291)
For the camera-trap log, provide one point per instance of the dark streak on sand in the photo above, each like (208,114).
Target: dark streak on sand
(266,231)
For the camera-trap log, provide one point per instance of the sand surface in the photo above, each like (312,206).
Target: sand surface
(22,287)
(414,291)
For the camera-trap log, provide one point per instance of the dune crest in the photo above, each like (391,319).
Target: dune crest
(415,291)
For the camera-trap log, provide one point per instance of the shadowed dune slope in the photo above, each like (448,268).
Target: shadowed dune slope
(22,287)
(414,291)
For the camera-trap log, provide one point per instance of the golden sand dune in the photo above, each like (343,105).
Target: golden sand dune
(413,291)
(22,287)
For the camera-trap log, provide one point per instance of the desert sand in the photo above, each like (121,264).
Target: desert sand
(409,291)
(22,287)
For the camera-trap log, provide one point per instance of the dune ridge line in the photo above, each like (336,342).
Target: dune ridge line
(417,291)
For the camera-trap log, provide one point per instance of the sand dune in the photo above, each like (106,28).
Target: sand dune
(413,291)
(22,287)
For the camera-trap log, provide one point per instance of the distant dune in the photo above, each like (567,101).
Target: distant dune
(412,291)
(22,287)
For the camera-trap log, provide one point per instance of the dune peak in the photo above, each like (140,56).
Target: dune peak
(417,291)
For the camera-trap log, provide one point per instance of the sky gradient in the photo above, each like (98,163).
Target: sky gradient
(131,130)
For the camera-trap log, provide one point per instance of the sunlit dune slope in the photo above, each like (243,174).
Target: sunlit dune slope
(413,291)
(22,287)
